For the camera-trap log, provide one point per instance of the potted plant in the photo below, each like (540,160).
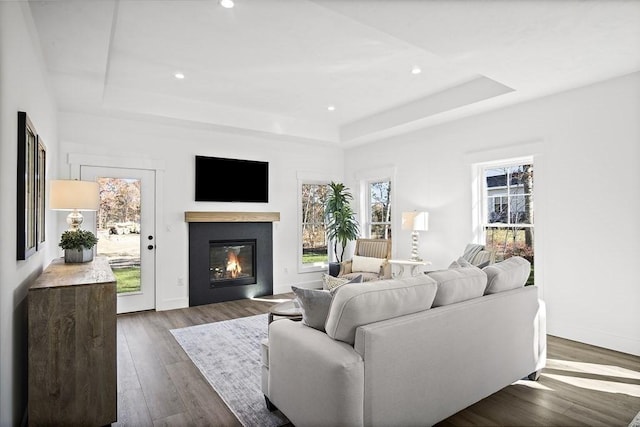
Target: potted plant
(78,245)
(342,225)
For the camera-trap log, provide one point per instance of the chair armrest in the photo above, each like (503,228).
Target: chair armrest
(385,270)
(345,268)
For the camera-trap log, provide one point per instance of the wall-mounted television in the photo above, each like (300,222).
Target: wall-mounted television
(220,179)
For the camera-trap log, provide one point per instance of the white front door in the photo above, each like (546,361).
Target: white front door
(125,225)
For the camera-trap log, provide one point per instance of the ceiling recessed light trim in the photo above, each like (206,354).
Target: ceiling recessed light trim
(331,108)
(416,70)
(179,75)
(227,4)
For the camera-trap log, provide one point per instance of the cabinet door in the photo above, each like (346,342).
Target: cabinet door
(72,355)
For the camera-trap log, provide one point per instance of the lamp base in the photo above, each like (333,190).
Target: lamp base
(74,219)
(414,247)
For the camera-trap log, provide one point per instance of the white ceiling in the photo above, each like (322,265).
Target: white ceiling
(274,66)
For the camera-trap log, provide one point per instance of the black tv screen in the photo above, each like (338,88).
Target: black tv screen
(231,180)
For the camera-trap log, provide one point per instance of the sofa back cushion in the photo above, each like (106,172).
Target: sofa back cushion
(509,274)
(458,284)
(355,305)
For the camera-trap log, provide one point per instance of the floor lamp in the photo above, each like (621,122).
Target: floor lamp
(416,222)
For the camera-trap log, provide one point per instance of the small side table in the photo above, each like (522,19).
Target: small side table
(401,263)
(289,309)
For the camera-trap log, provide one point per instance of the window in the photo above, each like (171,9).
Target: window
(379,209)
(507,218)
(313,253)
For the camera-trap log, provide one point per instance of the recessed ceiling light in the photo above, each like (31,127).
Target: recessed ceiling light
(416,70)
(227,4)
(179,76)
(331,107)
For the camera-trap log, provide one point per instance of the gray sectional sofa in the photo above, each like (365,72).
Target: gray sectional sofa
(407,352)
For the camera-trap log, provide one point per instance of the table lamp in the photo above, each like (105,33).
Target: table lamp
(74,196)
(416,222)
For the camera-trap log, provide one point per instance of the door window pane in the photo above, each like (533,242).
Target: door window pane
(118,224)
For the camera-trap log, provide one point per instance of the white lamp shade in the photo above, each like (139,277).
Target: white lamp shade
(421,221)
(67,195)
(407,220)
(415,221)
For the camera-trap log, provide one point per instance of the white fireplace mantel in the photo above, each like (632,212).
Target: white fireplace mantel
(209,216)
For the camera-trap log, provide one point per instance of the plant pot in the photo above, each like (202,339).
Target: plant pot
(334,269)
(78,255)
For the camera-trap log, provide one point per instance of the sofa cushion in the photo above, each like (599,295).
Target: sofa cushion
(360,304)
(366,264)
(509,274)
(314,305)
(458,284)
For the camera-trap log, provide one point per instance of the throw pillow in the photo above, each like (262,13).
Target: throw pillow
(460,263)
(366,264)
(314,304)
(356,279)
(329,282)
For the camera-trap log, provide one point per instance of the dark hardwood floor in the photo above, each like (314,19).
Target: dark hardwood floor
(158,385)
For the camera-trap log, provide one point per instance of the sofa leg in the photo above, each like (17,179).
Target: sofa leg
(270,406)
(534,376)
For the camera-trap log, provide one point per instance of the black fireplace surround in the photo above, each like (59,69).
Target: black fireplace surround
(205,235)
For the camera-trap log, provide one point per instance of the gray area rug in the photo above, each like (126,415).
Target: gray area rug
(229,356)
(636,421)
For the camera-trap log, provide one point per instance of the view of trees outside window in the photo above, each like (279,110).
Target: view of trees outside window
(509,225)
(118,224)
(314,236)
(380,209)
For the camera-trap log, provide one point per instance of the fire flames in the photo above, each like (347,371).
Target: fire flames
(233,265)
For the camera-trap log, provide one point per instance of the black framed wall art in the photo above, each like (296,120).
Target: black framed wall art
(30,199)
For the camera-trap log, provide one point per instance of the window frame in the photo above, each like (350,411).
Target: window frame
(305,178)
(483,194)
(365,179)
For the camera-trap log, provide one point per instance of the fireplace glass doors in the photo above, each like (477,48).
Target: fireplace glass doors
(232,263)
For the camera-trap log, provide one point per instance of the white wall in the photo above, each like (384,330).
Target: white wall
(586,144)
(23,87)
(174,146)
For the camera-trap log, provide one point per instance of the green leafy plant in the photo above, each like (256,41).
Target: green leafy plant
(78,239)
(342,225)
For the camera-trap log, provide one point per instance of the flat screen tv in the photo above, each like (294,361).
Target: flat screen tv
(231,180)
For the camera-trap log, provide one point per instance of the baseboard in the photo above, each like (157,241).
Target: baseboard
(172,304)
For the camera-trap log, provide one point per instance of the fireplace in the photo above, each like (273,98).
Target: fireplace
(229,261)
(232,262)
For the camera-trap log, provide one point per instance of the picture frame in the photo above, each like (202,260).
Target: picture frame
(27,193)
(41,180)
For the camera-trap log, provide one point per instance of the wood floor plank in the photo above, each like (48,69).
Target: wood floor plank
(132,409)
(203,404)
(584,385)
(160,393)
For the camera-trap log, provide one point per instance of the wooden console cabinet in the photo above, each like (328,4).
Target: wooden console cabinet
(72,345)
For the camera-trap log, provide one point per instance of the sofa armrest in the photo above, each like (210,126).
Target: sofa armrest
(313,379)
